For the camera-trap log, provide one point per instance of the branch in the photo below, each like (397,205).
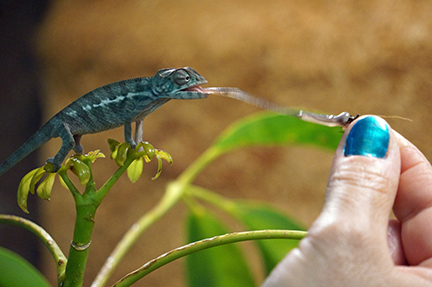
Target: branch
(171,197)
(59,258)
(179,252)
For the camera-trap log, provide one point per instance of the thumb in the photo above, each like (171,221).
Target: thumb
(348,242)
(363,180)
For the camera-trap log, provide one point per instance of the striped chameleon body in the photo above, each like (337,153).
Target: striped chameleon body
(114,105)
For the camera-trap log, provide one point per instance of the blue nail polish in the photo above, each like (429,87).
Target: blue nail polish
(369,136)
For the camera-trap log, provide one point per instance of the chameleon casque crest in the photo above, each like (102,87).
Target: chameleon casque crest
(111,106)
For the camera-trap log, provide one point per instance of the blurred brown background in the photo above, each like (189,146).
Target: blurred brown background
(356,56)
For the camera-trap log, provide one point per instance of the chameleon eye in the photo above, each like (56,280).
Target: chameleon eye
(181,77)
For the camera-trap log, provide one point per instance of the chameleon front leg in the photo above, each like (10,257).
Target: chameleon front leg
(128,135)
(139,131)
(67,145)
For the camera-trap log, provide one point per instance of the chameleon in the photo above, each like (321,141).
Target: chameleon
(124,102)
(108,107)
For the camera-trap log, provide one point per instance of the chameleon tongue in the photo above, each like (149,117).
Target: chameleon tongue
(342,120)
(238,94)
(196,89)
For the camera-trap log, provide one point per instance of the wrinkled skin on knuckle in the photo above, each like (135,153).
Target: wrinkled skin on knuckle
(360,193)
(362,177)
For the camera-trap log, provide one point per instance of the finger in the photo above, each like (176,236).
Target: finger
(413,203)
(363,181)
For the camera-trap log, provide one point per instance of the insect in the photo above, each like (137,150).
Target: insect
(342,120)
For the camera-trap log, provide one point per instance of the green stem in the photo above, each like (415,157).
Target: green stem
(213,198)
(84,223)
(102,192)
(171,197)
(75,192)
(204,244)
(48,241)
(79,249)
(190,173)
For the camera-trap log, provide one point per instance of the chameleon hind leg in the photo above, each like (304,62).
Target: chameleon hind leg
(78,148)
(67,145)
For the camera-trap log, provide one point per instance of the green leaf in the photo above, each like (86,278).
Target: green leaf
(260,216)
(265,129)
(135,169)
(222,266)
(15,271)
(275,129)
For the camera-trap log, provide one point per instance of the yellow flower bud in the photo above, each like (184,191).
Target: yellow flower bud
(164,155)
(63,183)
(113,144)
(24,189)
(81,170)
(44,189)
(122,154)
(93,155)
(159,171)
(35,179)
(148,149)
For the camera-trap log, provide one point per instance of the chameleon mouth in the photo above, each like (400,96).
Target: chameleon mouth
(197,89)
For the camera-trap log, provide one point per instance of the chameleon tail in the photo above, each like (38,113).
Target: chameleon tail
(39,138)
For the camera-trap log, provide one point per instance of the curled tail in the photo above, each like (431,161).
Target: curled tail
(39,138)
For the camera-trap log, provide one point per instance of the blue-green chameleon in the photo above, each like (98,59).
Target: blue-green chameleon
(111,106)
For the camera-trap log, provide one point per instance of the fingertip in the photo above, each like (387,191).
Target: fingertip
(364,175)
(369,136)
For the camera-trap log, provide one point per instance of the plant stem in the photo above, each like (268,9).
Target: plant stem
(79,249)
(213,198)
(171,197)
(84,223)
(190,173)
(204,244)
(48,241)
(102,192)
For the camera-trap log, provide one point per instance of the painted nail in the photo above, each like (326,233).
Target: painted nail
(369,136)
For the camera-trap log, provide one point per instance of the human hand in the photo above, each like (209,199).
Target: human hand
(353,242)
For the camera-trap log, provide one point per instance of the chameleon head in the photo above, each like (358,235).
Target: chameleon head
(182,83)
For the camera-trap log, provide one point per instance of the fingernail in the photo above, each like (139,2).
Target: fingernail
(369,136)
